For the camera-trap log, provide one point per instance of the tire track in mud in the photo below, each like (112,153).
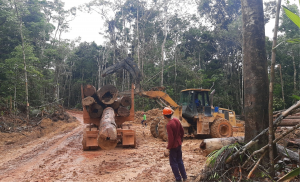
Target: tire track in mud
(14,170)
(60,158)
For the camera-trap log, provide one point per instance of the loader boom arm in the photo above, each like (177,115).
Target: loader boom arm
(161,97)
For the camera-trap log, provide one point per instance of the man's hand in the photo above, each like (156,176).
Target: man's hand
(167,152)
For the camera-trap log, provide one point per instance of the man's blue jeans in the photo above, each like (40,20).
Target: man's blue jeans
(176,163)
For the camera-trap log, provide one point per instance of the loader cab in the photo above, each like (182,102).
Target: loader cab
(194,102)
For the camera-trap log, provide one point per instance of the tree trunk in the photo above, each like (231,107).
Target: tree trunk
(295,73)
(255,71)
(24,60)
(107,137)
(138,41)
(272,77)
(163,44)
(281,80)
(107,94)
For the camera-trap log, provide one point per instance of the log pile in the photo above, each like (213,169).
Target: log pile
(107,96)
(291,120)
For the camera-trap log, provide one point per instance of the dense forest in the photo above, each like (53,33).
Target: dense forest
(171,47)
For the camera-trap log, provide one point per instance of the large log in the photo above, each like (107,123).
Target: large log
(107,94)
(125,101)
(289,122)
(88,101)
(123,111)
(107,137)
(292,117)
(287,153)
(116,104)
(89,90)
(95,111)
(209,145)
(294,143)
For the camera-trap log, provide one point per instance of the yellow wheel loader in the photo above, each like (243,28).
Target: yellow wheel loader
(195,112)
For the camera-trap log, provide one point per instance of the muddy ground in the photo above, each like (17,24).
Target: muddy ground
(54,153)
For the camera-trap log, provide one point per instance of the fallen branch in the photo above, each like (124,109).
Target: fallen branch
(256,139)
(265,148)
(257,163)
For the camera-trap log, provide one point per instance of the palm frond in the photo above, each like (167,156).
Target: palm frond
(292,16)
(217,154)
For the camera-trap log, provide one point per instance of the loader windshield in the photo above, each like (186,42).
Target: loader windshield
(188,103)
(193,102)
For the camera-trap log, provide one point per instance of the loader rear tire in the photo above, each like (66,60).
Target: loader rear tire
(162,130)
(221,128)
(154,128)
(84,147)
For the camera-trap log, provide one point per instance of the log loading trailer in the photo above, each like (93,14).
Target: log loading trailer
(109,130)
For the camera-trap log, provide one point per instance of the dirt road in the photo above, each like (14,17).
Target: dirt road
(60,158)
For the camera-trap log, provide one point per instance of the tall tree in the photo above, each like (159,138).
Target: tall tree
(272,76)
(19,16)
(255,70)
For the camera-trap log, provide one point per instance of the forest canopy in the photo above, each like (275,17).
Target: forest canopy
(172,48)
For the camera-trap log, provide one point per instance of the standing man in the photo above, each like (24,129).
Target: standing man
(175,135)
(144,119)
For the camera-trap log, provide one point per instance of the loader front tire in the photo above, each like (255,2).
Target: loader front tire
(162,130)
(221,128)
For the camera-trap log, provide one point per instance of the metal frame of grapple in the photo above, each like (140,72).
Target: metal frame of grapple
(125,134)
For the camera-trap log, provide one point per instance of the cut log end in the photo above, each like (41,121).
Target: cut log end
(107,144)
(89,90)
(209,145)
(125,101)
(123,111)
(107,94)
(88,101)
(95,111)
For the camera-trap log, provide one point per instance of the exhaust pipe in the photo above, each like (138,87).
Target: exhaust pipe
(212,97)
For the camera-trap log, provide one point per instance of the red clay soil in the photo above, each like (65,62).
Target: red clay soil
(56,154)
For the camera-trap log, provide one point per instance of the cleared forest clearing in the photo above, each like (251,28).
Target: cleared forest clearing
(58,156)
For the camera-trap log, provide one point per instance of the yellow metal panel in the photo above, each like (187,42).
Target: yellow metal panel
(128,137)
(159,94)
(91,138)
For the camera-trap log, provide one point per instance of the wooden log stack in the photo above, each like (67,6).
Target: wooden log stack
(291,120)
(107,96)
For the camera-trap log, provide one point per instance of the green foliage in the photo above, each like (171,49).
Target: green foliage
(296,97)
(292,16)
(291,175)
(196,55)
(212,157)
